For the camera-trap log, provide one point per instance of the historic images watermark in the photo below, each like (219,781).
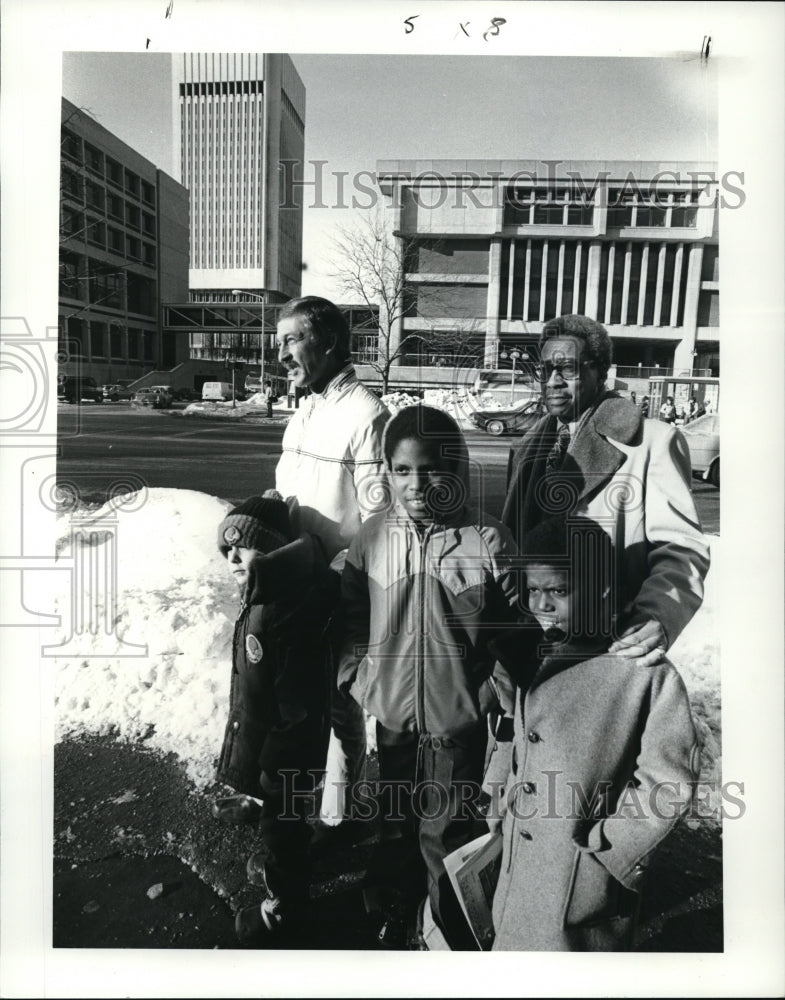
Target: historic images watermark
(313,185)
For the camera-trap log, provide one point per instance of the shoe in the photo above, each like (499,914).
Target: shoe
(237,809)
(255,924)
(394,934)
(260,872)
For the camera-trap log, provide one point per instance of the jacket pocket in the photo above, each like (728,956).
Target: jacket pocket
(594,895)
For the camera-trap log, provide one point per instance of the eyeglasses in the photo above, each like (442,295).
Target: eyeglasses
(568,369)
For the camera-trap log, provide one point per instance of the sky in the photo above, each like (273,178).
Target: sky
(363,108)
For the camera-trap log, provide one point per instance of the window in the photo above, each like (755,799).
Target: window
(95,195)
(141,294)
(114,172)
(72,223)
(97,339)
(149,254)
(116,240)
(70,184)
(148,193)
(620,213)
(116,206)
(132,183)
(133,247)
(580,215)
(147,345)
(148,224)
(116,341)
(650,215)
(684,216)
(76,331)
(70,145)
(96,232)
(548,214)
(94,159)
(133,343)
(132,215)
(69,275)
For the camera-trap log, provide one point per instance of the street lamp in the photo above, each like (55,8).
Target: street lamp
(255,295)
(514,355)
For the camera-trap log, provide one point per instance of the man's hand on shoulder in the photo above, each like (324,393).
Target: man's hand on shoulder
(644,643)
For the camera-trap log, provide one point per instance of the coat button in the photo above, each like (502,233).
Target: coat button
(534,737)
(235,726)
(528,788)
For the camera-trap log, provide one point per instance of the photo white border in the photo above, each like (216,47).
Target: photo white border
(747,44)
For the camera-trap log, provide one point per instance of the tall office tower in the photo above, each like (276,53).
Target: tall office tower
(242,124)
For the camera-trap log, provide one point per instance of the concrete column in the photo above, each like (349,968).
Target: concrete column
(682,357)
(492,308)
(576,283)
(543,280)
(593,279)
(609,283)
(560,280)
(527,281)
(642,287)
(660,284)
(677,269)
(625,285)
(510,276)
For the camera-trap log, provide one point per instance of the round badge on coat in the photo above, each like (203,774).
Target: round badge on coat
(253,648)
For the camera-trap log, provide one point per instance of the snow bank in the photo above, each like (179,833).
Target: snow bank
(174,596)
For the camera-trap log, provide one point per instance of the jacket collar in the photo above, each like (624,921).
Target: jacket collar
(592,460)
(337,384)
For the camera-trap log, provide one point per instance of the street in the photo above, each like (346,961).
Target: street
(105,447)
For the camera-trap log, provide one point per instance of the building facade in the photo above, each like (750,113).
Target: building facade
(496,248)
(241,139)
(123,249)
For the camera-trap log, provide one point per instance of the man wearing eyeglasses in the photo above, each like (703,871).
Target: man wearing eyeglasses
(596,456)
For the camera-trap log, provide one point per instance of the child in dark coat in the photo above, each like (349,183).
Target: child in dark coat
(276,733)
(603,765)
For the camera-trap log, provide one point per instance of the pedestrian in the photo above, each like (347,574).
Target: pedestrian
(645,406)
(634,398)
(668,411)
(332,463)
(426,586)
(594,454)
(269,396)
(278,725)
(605,760)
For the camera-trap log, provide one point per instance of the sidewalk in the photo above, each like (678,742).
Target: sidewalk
(139,862)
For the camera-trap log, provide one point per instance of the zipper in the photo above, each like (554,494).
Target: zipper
(419,660)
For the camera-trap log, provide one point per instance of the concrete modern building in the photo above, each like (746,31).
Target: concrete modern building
(123,250)
(496,248)
(241,134)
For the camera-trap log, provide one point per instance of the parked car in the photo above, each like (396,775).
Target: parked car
(156,396)
(253,384)
(516,420)
(703,439)
(116,391)
(185,395)
(75,388)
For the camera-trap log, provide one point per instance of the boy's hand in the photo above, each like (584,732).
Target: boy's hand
(644,643)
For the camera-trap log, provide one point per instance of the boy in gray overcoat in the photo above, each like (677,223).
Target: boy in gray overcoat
(604,761)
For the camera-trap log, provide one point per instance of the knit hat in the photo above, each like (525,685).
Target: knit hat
(258,523)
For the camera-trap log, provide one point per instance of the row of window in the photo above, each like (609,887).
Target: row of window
(75,225)
(113,205)
(75,148)
(208,88)
(679,212)
(97,283)
(96,340)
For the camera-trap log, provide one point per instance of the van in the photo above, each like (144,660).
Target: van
(219,390)
(253,384)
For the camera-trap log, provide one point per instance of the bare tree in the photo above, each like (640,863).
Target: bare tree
(369,264)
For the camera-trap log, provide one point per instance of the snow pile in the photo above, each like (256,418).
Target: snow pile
(395,401)
(174,596)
